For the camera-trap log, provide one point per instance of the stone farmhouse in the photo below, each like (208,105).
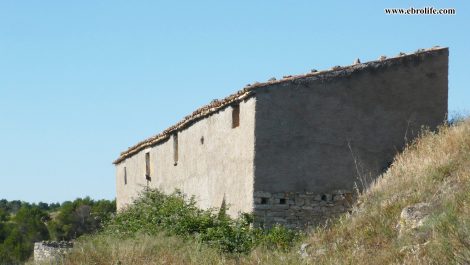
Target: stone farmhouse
(294,150)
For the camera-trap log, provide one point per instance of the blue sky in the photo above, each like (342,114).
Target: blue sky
(80,81)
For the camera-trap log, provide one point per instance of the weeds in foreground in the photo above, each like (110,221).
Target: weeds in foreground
(159,249)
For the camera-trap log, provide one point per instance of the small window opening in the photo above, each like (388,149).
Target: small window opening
(147,167)
(235,116)
(323,197)
(202,139)
(175,148)
(282,201)
(125,176)
(264,200)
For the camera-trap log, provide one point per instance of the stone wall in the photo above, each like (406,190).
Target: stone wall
(299,209)
(50,250)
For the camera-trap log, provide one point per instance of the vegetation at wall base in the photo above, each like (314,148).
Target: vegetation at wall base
(177,215)
(433,171)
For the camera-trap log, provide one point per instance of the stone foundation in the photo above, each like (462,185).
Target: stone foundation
(299,209)
(50,250)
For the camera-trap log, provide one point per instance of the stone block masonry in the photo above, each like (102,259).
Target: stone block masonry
(50,250)
(299,209)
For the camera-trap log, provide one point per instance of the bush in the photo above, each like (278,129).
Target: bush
(175,214)
(279,237)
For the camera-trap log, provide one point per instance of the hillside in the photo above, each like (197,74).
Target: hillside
(418,212)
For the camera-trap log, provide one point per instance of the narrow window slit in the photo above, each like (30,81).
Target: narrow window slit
(235,116)
(125,176)
(147,167)
(175,149)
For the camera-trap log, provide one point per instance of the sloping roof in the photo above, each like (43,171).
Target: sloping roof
(250,90)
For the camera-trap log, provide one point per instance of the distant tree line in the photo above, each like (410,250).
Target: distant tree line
(23,223)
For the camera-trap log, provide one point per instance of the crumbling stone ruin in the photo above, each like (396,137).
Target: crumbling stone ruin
(294,150)
(51,250)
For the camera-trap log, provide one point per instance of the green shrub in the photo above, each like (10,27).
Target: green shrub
(234,236)
(279,237)
(175,214)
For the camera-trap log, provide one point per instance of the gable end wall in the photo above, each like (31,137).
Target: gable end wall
(316,139)
(309,132)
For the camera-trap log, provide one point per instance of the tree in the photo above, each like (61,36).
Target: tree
(25,228)
(30,222)
(22,224)
(82,216)
(3,226)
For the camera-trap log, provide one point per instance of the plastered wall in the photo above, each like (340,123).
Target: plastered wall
(215,161)
(329,132)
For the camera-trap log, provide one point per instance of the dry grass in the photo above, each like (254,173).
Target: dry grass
(161,249)
(435,169)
